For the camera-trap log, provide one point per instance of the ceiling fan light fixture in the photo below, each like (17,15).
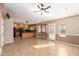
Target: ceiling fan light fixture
(42,8)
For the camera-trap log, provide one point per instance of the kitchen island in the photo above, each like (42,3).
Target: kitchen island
(28,34)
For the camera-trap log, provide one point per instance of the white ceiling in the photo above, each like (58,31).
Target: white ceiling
(26,11)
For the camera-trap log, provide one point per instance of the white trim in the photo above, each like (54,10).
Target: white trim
(68,43)
(70,34)
(73,34)
(8,42)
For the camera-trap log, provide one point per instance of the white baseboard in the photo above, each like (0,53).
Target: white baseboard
(1,48)
(8,42)
(71,34)
(68,43)
(3,45)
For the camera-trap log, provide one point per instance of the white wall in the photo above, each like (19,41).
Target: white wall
(1,33)
(8,30)
(2,12)
(71,24)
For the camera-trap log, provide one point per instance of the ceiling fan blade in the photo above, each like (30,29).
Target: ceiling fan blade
(46,11)
(41,4)
(38,6)
(47,7)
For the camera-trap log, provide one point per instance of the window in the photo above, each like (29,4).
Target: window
(62,31)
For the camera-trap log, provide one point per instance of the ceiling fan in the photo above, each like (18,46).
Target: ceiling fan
(42,8)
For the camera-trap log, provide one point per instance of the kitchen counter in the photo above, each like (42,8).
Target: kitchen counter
(28,35)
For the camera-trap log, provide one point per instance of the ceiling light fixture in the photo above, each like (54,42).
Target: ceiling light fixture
(42,8)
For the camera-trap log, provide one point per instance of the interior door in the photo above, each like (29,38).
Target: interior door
(52,31)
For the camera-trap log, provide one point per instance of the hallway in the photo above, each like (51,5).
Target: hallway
(38,47)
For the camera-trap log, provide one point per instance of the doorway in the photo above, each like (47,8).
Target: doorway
(52,31)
